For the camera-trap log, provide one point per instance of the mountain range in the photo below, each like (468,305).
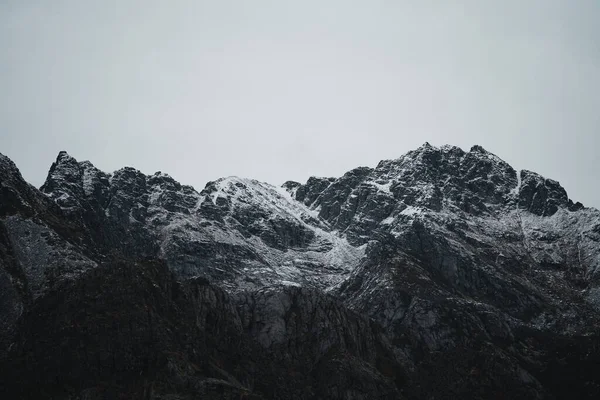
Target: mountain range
(443,274)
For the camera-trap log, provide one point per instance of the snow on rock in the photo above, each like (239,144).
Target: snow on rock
(411,211)
(264,230)
(245,233)
(240,232)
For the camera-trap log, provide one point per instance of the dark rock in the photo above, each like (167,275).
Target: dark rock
(309,192)
(541,196)
(133,331)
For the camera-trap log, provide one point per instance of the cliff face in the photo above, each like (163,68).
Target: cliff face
(441,274)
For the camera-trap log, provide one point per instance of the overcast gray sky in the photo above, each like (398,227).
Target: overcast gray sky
(278,90)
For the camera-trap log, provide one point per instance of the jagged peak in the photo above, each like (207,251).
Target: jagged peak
(445,148)
(423,165)
(161,174)
(129,169)
(481,153)
(423,155)
(291,184)
(235,180)
(525,173)
(425,148)
(127,172)
(233,192)
(478,149)
(450,147)
(291,187)
(10,176)
(87,164)
(69,164)
(63,157)
(532,175)
(543,196)
(315,179)
(7,164)
(358,172)
(229,184)
(540,180)
(65,168)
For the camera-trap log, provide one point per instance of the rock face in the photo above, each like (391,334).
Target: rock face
(441,274)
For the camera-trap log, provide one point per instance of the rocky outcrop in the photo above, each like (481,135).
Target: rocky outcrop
(542,196)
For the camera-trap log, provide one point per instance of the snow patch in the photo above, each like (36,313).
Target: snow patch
(290,283)
(382,187)
(517,189)
(87,181)
(411,211)
(388,220)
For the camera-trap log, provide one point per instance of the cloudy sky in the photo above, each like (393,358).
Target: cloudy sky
(278,90)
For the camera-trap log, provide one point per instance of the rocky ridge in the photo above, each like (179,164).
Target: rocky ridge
(442,273)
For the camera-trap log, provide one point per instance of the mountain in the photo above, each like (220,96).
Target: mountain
(440,274)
